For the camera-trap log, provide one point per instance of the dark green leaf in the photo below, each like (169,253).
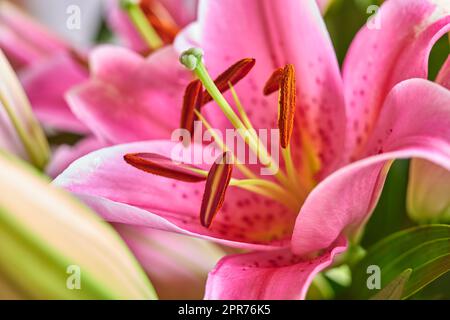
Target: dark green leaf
(424,249)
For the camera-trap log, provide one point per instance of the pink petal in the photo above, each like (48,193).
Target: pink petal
(274,275)
(122,26)
(129,98)
(19,52)
(293,32)
(46,83)
(415,123)
(121,193)
(324,4)
(182,11)
(64,155)
(173,262)
(39,41)
(378,59)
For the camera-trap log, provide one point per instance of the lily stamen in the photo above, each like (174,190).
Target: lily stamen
(193,60)
(273,83)
(143,26)
(161,19)
(246,171)
(215,189)
(232,76)
(191,101)
(164,167)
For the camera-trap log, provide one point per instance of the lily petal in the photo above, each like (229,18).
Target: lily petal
(46,85)
(299,38)
(64,155)
(379,58)
(21,29)
(129,98)
(121,193)
(121,24)
(274,275)
(415,123)
(173,262)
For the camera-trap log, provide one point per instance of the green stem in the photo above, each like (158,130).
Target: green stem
(142,24)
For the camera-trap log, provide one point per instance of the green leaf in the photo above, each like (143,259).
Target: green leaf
(424,249)
(394,290)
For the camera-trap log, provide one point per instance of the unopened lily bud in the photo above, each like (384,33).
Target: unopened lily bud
(428,199)
(18,116)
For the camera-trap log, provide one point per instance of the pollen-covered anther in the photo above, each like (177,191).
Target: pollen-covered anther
(232,76)
(164,167)
(273,83)
(287,102)
(192,100)
(217,183)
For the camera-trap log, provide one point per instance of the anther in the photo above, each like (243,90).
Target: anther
(232,76)
(286,101)
(191,101)
(273,84)
(215,189)
(164,167)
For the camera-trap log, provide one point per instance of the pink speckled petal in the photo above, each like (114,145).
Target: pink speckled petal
(121,193)
(415,123)
(378,59)
(275,275)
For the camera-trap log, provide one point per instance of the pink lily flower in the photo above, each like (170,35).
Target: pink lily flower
(149,82)
(345,136)
(40,58)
